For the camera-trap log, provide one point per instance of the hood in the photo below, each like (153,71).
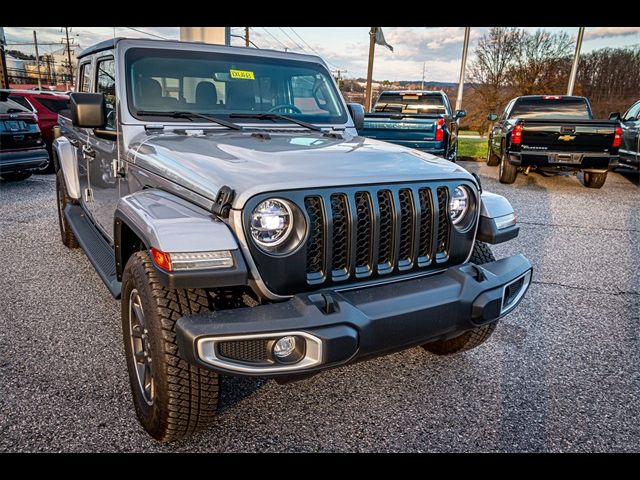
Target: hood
(252,163)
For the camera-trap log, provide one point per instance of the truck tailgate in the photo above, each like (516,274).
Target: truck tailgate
(568,135)
(398,127)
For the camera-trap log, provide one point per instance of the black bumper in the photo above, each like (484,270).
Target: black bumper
(367,322)
(576,160)
(23,160)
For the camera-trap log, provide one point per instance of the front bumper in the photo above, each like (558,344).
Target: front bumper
(575,160)
(341,327)
(23,160)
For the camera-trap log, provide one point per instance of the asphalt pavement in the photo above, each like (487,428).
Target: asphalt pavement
(561,373)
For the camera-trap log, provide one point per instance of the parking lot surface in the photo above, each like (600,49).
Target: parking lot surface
(561,373)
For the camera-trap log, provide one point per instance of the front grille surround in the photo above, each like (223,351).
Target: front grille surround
(359,234)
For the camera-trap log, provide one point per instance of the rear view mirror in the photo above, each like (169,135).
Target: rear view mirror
(357,113)
(88,110)
(614,116)
(492,117)
(461,113)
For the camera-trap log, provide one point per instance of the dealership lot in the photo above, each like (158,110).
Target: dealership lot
(560,373)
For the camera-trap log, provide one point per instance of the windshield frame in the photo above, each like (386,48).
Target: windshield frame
(134,53)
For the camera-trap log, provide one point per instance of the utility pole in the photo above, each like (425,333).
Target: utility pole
(4,75)
(422,84)
(372,46)
(246,37)
(69,57)
(463,66)
(576,60)
(47,59)
(35,41)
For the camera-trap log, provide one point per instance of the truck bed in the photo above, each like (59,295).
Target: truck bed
(412,130)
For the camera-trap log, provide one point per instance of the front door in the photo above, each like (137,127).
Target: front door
(630,127)
(101,153)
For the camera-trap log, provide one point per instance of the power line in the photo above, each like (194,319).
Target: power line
(294,42)
(146,33)
(242,37)
(276,38)
(313,49)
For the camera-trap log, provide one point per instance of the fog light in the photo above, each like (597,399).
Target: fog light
(284,347)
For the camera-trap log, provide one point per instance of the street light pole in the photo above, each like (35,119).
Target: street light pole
(372,46)
(463,66)
(35,42)
(576,60)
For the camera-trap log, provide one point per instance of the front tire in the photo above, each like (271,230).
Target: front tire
(493,160)
(474,337)
(172,398)
(453,156)
(592,179)
(507,172)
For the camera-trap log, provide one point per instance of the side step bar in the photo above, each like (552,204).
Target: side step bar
(100,253)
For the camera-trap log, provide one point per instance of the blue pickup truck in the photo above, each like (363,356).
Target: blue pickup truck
(421,119)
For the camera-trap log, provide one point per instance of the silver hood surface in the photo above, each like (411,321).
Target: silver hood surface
(285,160)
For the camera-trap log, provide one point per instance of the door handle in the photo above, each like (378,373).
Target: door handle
(88,151)
(74,142)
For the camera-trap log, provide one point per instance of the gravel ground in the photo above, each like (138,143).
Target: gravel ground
(560,373)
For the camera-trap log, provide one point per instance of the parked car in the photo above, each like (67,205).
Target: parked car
(46,105)
(630,147)
(249,230)
(21,146)
(420,119)
(553,133)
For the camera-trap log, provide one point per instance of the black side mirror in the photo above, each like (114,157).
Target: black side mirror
(614,116)
(461,113)
(492,117)
(88,110)
(357,113)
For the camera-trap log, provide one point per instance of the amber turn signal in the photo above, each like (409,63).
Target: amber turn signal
(161,259)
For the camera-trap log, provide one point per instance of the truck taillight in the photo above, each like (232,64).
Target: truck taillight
(440,130)
(617,138)
(552,97)
(516,134)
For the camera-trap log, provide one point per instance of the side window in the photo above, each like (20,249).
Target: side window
(84,85)
(106,84)
(309,94)
(22,101)
(632,113)
(507,110)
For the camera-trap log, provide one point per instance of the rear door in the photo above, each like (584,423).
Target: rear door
(630,125)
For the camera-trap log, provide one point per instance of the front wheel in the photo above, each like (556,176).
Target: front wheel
(476,336)
(453,155)
(507,172)
(592,179)
(492,159)
(172,398)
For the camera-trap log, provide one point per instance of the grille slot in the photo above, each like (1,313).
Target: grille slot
(385,247)
(340,260)
(315,243)
(426,220)
(364,237)
(442,249)
(250,351)
(407,228)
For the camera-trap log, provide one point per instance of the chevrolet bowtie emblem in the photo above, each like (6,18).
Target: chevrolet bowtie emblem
(566,138)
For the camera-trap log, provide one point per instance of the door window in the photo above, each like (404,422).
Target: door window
(633,113)
(106,84)
(85,78)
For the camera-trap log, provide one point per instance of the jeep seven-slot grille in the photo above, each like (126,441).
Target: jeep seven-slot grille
(378,231)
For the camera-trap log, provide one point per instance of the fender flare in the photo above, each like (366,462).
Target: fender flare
(497,219)
(68,163)
(172,224)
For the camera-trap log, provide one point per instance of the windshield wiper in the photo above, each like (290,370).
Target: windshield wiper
(273,116)
(189,116)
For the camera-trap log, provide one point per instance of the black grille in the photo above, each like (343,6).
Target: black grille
(339,263)
(385,245)
(363,232)
(315,245)
(511,292)
(426,219)
(405,254)
(250,351)
(443,222)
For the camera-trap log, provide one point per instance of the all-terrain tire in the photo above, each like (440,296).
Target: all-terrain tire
(15,176)
(507,173)
(592,179)
(62,200)
(493,160)
(471,338)
(185,397)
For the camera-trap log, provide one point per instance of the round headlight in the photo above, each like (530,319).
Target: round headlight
(459,204)
(271,223)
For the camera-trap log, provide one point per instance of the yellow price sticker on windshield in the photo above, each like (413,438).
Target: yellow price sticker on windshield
(244,74)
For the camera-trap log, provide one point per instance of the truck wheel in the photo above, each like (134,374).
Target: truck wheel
(172,398)
(507,172)
(492,159)
(592,179)
(453,156)
(471,338)
(68,237)
(15,176)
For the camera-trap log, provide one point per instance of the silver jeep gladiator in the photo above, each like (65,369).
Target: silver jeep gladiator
(224,195)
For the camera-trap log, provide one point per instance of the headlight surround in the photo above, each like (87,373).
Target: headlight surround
(459,204)
(271,222)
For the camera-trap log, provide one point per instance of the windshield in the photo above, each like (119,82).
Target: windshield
(570,108)
(411,103)
(223,84)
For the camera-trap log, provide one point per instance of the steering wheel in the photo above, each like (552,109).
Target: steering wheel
(291,107)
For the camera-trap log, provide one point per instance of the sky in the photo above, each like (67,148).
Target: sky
(439,49)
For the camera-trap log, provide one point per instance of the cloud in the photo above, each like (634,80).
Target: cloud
(599,32)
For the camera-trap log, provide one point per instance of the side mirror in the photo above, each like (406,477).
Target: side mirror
(492,117)
(88,110)
(357,113)
(461,113)
(614,116)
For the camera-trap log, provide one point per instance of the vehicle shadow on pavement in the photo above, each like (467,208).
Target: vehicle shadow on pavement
(235,389)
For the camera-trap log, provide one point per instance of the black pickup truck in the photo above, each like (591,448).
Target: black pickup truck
(553,133)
